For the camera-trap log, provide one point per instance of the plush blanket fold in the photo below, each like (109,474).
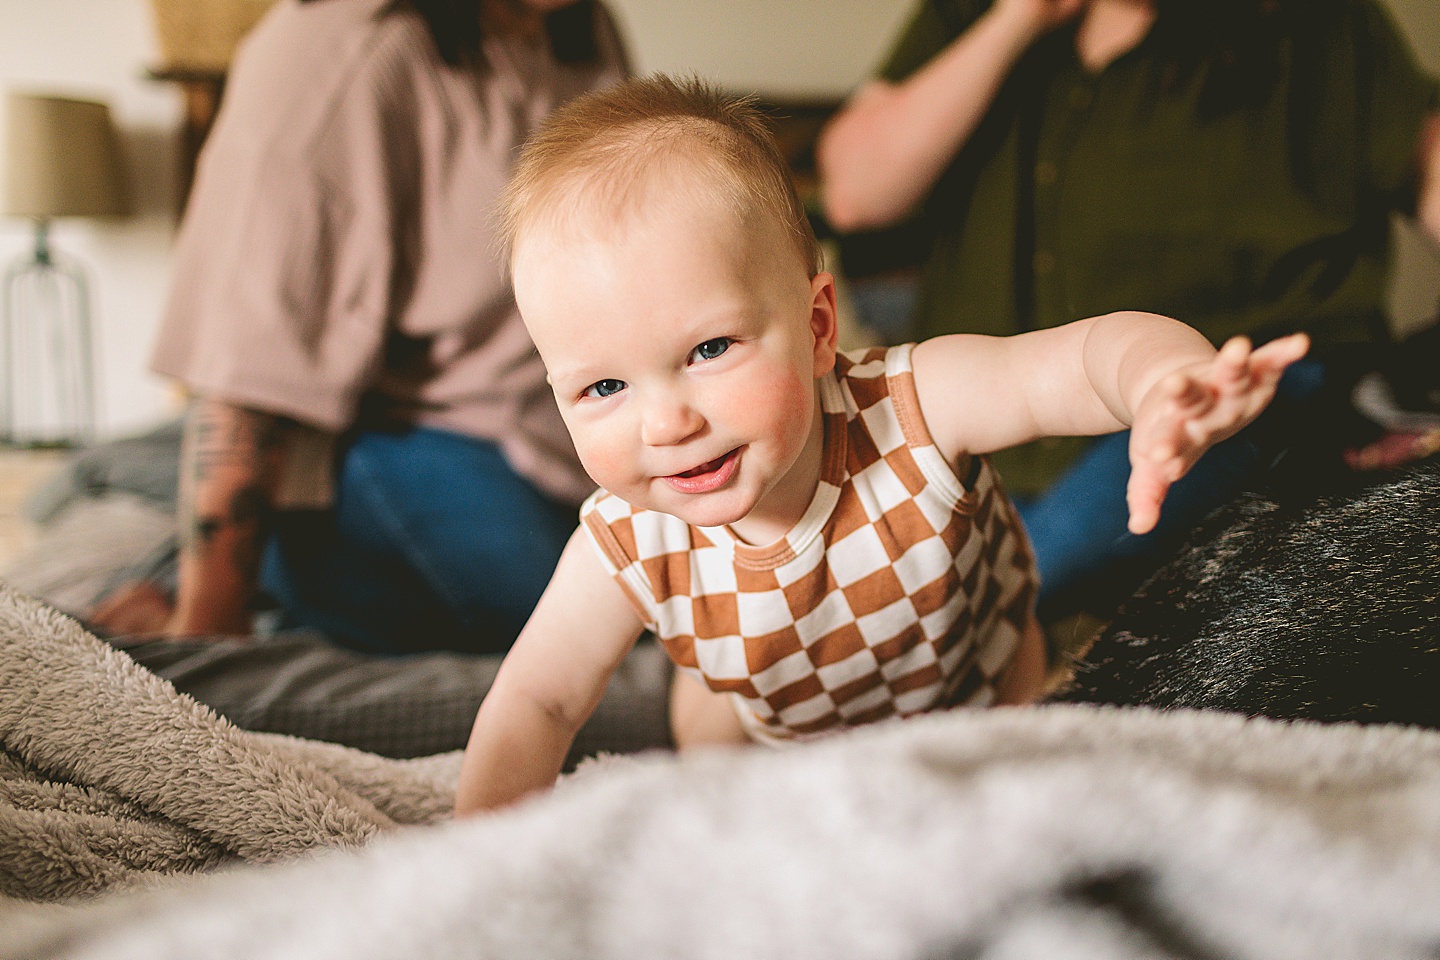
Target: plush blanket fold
(1066,832)
(1070,833)
(107,775)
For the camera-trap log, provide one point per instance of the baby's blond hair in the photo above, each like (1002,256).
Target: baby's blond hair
(598,153)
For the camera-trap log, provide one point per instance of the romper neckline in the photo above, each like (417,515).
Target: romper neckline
(834,426)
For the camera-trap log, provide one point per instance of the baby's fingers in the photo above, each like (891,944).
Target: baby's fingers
(1279,354)
(1144,494)
(1244,391)
(1232,363)
(1239,369)
(1183,395)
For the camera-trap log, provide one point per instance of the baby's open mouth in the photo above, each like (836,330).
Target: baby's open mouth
(704,468)
(709,476)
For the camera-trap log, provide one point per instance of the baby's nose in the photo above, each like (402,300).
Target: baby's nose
(668,421)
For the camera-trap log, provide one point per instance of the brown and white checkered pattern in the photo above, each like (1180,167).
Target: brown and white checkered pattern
(902,589)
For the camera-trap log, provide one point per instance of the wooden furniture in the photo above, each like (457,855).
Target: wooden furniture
(21,472)
(202,90)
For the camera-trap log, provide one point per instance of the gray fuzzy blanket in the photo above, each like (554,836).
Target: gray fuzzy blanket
(1066,832)
(108,777)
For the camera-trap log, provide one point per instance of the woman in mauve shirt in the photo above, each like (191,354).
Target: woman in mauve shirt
(371,438)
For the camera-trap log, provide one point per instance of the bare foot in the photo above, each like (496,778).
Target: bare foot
(136,608)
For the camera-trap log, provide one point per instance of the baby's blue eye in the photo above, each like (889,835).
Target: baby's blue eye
(711,349)
(604,388)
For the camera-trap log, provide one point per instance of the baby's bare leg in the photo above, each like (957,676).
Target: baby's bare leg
(701,717)
(1023,679)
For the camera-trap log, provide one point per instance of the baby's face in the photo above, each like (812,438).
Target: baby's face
(683,353)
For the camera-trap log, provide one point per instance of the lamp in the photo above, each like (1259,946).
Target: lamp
(62,159)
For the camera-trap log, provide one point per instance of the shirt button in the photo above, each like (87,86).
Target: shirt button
(1046,173)
(1079,97)
(1044,262)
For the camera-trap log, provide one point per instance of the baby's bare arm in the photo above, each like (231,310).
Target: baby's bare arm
(549,684)
(1151,373)
(982,394)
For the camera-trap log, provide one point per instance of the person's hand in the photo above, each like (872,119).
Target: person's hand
(135,608)
(1041,16)
(1393,450)
(1195,408)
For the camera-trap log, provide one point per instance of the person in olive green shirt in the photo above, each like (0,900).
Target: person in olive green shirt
(1233,163)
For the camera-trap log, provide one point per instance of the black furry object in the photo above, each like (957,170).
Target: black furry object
(1323,609)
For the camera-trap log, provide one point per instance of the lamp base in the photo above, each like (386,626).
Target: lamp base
(47,395)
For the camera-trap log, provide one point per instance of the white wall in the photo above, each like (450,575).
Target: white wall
(800,48)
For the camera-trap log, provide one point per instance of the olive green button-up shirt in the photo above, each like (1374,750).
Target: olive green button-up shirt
(1082,193)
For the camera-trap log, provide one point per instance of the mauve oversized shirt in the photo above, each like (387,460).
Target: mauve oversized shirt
(336,263)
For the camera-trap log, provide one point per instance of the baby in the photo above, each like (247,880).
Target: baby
(816,538)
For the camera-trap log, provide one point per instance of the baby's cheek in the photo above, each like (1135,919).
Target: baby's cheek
(776,403)
(607,462)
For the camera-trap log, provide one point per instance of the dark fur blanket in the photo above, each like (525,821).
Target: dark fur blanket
(1322,607)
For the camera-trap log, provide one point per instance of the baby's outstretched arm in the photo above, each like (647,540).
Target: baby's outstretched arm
(1151,373)
(549,684)
(1196,407)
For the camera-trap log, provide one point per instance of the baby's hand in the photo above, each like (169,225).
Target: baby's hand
(1195,408)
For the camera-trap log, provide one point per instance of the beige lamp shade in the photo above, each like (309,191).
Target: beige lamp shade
(62,159)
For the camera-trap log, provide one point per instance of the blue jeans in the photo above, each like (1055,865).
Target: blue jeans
(1087,557)
(433,543)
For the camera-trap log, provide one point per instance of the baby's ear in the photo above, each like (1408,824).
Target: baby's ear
(824,322)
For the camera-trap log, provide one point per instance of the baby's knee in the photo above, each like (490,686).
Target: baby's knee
(1024,678)
(701,717)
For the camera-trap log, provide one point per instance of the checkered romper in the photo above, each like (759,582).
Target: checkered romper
(900,590)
